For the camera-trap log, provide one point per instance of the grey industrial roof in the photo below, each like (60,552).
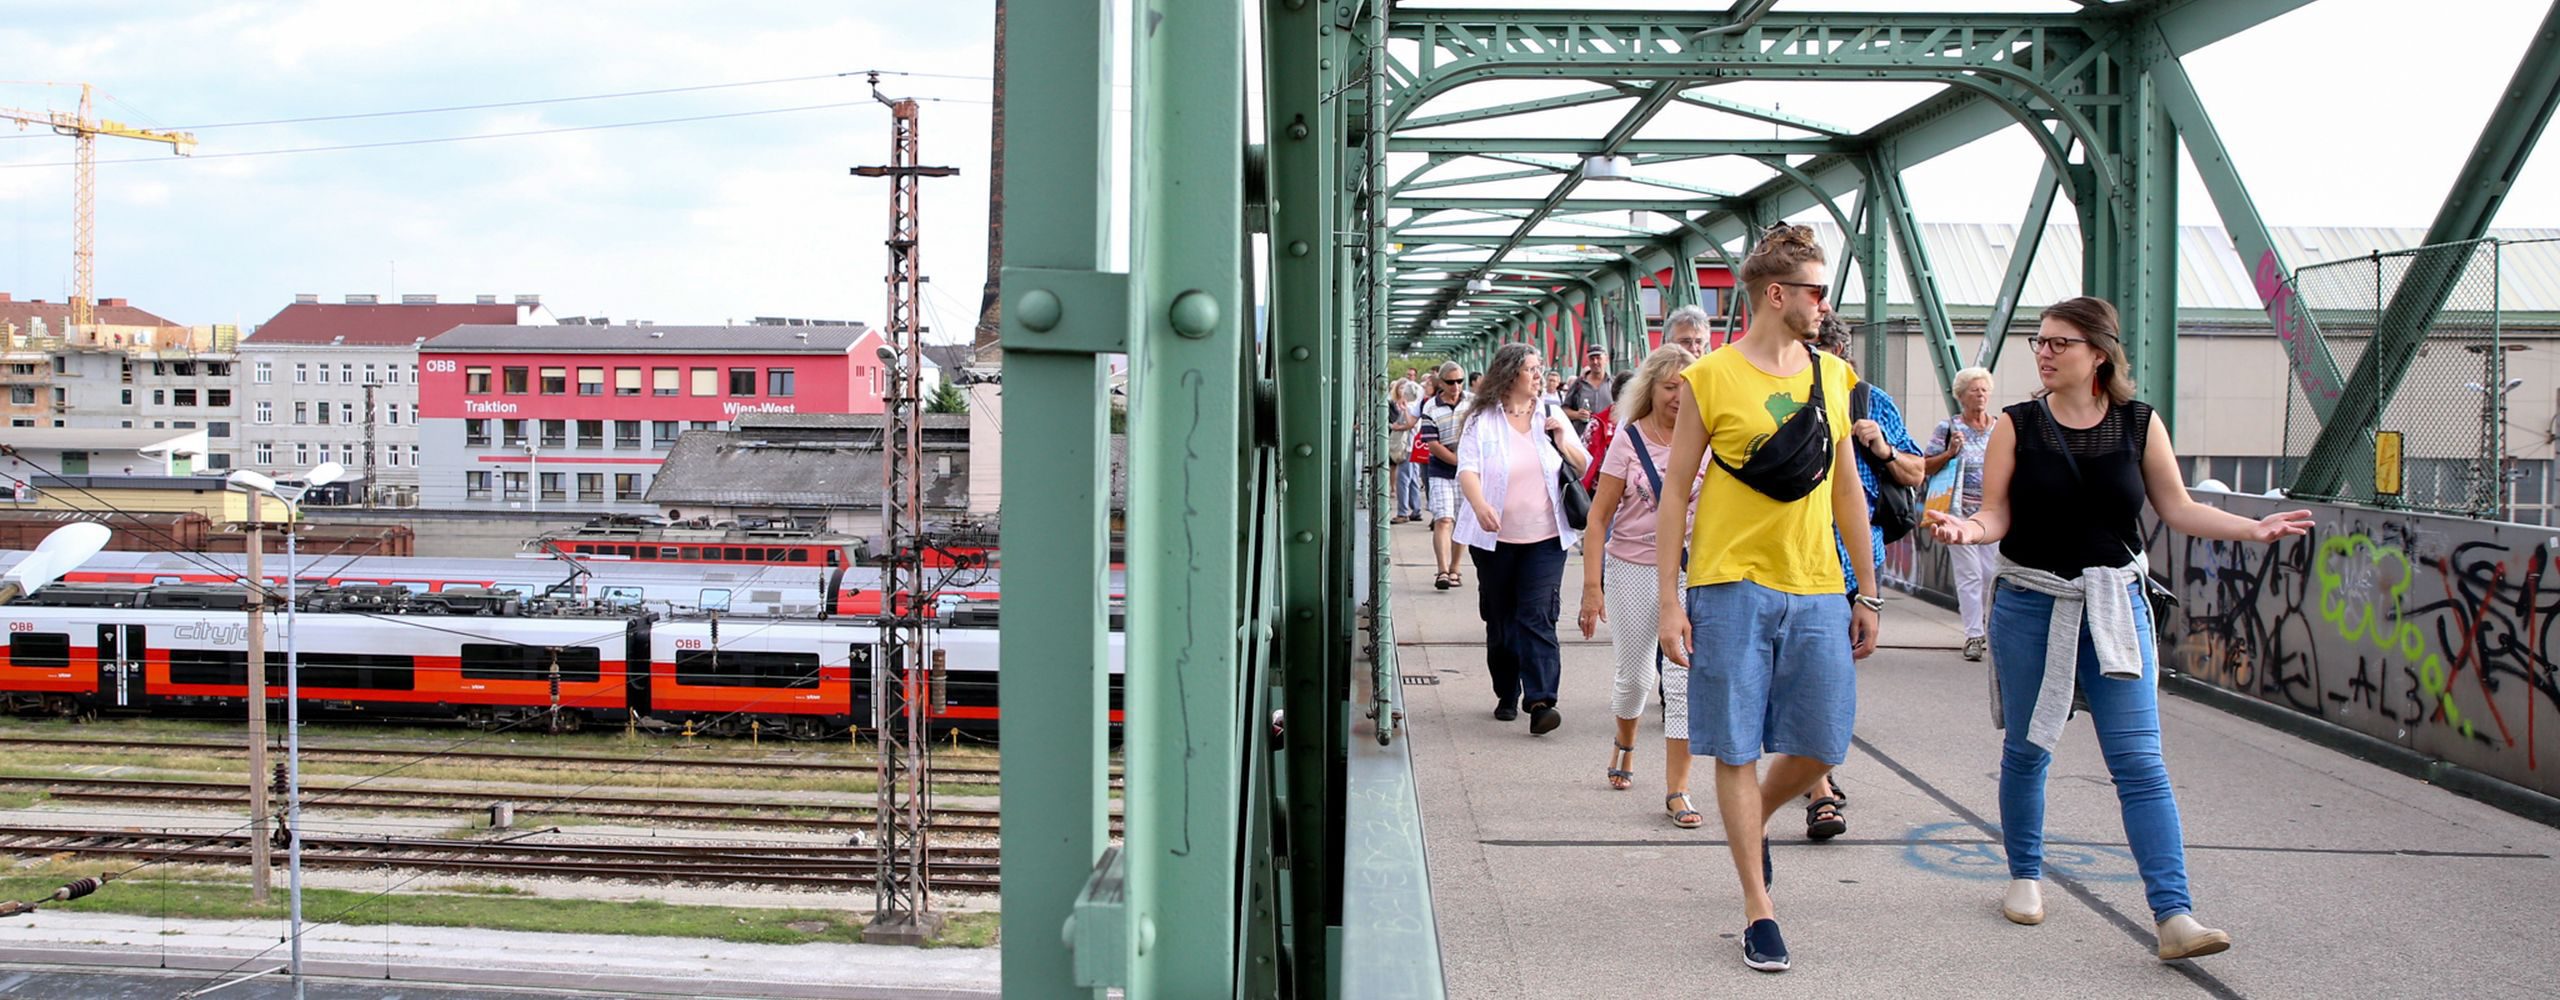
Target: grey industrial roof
(759,468)
(649,339)
(1971,257)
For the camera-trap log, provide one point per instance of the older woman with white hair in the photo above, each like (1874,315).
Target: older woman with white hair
(1961,439)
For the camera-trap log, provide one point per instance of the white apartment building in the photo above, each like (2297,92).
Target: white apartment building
(338,382)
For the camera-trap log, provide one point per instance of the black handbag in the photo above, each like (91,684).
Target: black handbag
(1791,462)
(1897,507)
(1576,500)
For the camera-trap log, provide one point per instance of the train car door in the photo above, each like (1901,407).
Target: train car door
(121,649)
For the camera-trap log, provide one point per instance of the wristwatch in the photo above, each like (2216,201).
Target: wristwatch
(1869,603)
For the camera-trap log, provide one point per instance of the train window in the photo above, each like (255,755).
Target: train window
(714,599)
(736,554)
(711,553)
(369,671)
(412,586)
(668,552)
(731,668)
(490,661)
(834,557)
(691,553)
(755,553)
(799,555)
(40,649)
(217,666)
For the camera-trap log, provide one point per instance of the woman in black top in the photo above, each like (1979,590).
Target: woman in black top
(2063,483)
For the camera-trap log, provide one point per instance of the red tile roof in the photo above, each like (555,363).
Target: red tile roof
(57,315)
(374,325)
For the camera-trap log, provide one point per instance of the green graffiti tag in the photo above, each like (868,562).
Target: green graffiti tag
(2377,623)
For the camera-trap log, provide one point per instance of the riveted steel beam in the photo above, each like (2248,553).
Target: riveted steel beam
(1595,147)
(1517,108)
(1568,207)
(1917,270)
(2022,257)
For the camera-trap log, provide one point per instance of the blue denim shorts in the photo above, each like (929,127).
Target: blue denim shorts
(1769,671)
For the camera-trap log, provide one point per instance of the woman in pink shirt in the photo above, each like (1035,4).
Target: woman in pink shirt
(1622,525)
(1512,452)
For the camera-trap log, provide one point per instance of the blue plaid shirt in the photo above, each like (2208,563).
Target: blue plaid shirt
(1888,417)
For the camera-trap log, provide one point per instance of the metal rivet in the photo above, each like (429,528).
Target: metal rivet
(1306,450)
(1194,314)
(1297,130)
(1146,933)
(1039,310)
(1297,354)
(1305,614)
(1297,248)
(1306,536)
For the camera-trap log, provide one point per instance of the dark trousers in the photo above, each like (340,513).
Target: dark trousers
(1516,595)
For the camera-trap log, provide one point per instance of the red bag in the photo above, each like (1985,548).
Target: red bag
(1421,451)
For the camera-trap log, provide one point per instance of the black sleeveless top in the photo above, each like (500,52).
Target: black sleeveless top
(2063,524)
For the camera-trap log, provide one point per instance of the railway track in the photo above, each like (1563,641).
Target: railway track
(966,869)
(953,774)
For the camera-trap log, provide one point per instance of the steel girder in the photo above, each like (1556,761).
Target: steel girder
(2524,108)
(2059,76)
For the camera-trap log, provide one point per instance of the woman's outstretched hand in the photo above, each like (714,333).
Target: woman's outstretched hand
(1947,528)
(2282,524)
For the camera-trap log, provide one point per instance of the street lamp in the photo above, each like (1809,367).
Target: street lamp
(254,484)
(67,547)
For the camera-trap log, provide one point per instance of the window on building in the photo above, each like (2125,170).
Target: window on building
(266,372)
(555,434)
(347,373)
(391,455)
(324,374)
(324,414)
(301,412)
(347,413)
(742,381)
(706,425)
(263,453)
(590,381)
(626,486)
(413,456)
(159,397)
(217,428)
(591,434)
(555,381)
(665,382)
(511,433)
(413,414)
(555,486)
(475,381)
(128,396)
(30,422)
(778,382)
(218,369)
(301,455)
(590,486)
(626,381)
(217,397)
(515,379)
(25,395)
(184,425)
(475,485)
(182,397)
(61,365)
(183,369)
(413,374)
(368,375)
(264,412)
(301,373)
(218,460)
(514,483)
(662,433)
(706,381)
(626,434)
(391,414)
(475,433)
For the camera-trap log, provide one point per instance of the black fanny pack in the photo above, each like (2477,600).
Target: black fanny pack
(1798,457)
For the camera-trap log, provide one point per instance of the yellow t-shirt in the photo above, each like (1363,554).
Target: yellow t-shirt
(1741,534)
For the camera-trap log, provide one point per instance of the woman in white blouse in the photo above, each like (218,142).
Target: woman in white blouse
(1512,450)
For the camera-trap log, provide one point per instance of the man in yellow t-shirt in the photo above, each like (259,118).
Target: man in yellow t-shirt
(1763,602)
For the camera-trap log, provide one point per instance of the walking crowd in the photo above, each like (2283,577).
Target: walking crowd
(1735,568)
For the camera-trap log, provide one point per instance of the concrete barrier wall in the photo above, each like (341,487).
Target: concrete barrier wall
(2431,632)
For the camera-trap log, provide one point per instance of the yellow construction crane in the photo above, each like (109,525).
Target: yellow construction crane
(84,185)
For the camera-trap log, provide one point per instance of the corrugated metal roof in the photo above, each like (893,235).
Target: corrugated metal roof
(651,339)
(1971,258)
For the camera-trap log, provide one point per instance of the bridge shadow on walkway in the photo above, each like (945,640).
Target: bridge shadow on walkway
(2336,878)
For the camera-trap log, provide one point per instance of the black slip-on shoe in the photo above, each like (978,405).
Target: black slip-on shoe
(1763,948)
(1544,719)
(1505,711)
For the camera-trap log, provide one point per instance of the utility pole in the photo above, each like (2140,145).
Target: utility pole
(901,898)
(260,863)
(370,482)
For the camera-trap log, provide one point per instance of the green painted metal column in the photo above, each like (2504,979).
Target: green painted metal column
(1062,316)
(2150,305)
(1885,182)
(2022,255)
(1184,734)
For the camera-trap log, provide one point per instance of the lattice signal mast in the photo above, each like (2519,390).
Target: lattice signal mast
(84,188)
(902,899)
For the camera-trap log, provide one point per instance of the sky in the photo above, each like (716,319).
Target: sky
(736,217)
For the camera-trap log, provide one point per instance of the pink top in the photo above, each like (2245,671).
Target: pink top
(1527,514)
(1631,529)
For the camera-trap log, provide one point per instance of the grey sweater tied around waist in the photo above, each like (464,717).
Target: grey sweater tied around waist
(2101,596)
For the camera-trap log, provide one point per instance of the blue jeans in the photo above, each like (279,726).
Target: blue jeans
(1409,501)
(2126,716)
(1516,594)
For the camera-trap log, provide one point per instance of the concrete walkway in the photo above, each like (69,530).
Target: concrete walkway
(2335,878)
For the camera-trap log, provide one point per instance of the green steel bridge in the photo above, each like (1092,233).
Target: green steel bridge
(1338,164)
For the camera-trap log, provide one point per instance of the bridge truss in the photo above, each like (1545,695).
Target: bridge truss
(1390,205)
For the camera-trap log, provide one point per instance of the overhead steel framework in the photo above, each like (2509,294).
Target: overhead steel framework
(1445,179)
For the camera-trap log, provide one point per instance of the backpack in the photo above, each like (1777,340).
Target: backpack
(1897,507)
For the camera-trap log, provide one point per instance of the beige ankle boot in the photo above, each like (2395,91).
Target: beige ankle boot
(2182,937)
(2024,902)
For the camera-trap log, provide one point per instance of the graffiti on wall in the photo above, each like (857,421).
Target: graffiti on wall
(2432,632)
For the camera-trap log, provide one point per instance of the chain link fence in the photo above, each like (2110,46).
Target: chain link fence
(2445,423)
